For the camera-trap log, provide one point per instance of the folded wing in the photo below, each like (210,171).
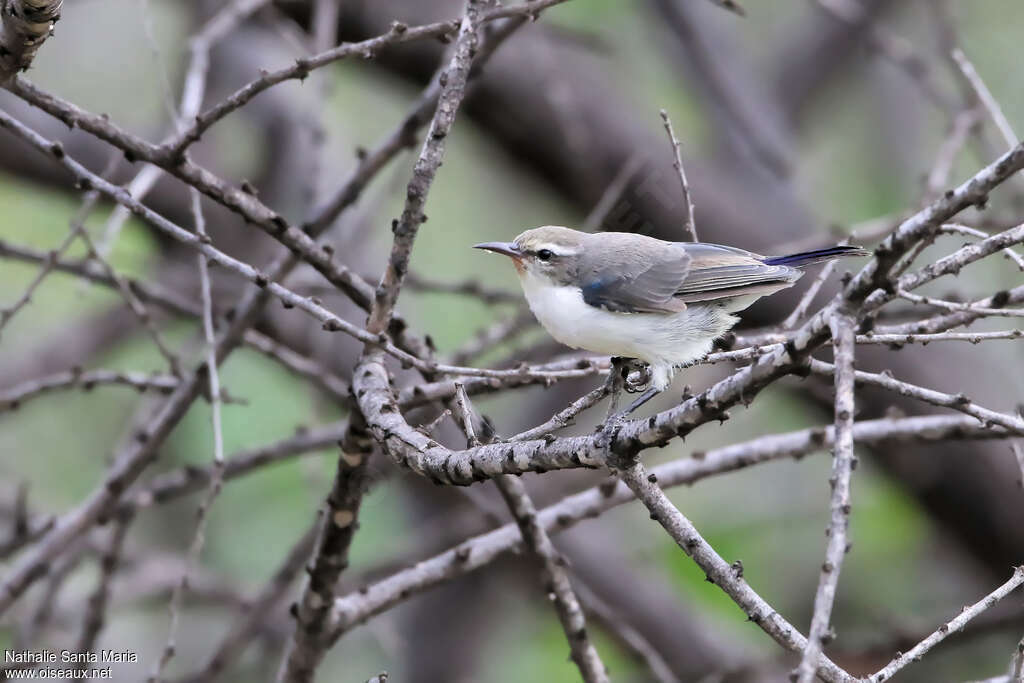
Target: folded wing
(662,277)
(719,272)
(632,278)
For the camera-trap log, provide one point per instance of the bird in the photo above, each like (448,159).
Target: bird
(634,296)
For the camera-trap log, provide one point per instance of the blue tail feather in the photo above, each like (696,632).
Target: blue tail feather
(806,258)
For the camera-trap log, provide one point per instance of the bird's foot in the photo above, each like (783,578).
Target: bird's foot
(636,374)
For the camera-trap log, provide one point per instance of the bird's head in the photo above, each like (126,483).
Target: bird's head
(549,253)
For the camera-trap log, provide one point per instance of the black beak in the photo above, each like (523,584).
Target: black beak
(506,248)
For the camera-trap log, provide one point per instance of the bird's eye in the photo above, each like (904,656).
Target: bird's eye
(545,254)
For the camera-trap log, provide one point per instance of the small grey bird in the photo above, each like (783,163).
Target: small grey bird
(634,296)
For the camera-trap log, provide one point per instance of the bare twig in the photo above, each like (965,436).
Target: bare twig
(340,521)
(137,307)
(564,417)
(554,576)
(266,280)
(176,483)
(958,402)
(924,339)
(32,628)
(690,225)
(211,345)
(951,264)
(95,613)
(967,230)
(805,301)
(77,227)
(956,306)
(216,480)
(894,48)
(952,626)
(24,533)
(323,36)
(627,636)
(259,609)
(478,551)
(87,380)
(407,226)
(148,292)
(430,427)
(986,98)
(19,520)
(842,467)
(192,94)
(399,33)
(502,331)
(555,579)
(719,571)
(962,125)
(937,324)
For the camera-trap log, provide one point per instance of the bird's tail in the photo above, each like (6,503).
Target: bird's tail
(806,258)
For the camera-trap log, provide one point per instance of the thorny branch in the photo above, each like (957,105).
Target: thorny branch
(216,479)
(690,226)
(842,469)
(554,572)
(309,642)
(725,575)
(473,553)
(952,626)
(340,520)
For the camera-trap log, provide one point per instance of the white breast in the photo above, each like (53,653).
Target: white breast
(663,340)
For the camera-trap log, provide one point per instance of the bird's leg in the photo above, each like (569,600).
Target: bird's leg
(652,392)
(635,386)
(639,401)
(624,368)
(619,379)
(615,383)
